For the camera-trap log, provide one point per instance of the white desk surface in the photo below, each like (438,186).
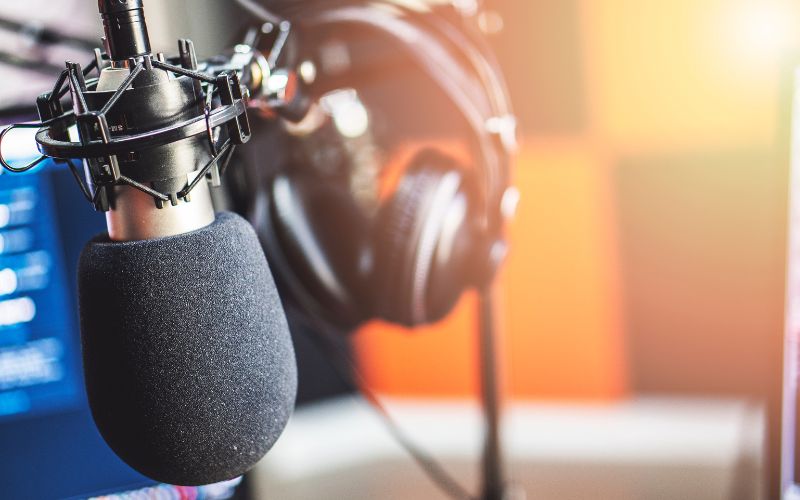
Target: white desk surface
(647,448)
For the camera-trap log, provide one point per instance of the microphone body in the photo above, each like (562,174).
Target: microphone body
(151,103)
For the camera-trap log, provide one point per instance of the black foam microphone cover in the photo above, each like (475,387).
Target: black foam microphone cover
(188,362)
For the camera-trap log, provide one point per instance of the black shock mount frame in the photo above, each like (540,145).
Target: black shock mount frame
(53,140)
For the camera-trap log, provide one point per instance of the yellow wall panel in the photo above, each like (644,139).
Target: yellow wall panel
(681,73)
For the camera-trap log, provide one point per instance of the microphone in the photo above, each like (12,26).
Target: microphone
(188,363)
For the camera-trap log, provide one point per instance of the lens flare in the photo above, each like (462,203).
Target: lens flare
(764,28)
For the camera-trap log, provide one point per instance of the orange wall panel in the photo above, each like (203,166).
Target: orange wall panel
(562,336)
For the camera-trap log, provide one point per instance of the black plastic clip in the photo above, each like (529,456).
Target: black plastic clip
(230,90)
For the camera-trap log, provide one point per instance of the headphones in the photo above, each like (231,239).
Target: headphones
(351,236)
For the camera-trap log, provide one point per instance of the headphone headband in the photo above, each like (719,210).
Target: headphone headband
(488,116)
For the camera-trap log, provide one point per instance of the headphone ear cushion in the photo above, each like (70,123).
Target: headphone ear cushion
(320,235)
(407,242)
(397,233)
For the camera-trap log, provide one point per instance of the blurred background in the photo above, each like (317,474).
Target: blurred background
(643,299)
(648,255)
(648,252)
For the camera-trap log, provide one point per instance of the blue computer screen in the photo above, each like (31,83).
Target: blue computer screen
(37,359)
(50,448)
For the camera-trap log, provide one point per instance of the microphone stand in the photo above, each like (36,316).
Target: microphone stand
(493,481)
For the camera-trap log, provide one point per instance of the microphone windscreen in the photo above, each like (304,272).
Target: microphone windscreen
(188,362)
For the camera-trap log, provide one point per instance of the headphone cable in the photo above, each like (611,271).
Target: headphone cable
(347,370)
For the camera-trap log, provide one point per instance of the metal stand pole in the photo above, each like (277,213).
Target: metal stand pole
(494,482)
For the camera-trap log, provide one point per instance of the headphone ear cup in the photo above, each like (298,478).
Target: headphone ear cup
(317,236)
(421,243)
